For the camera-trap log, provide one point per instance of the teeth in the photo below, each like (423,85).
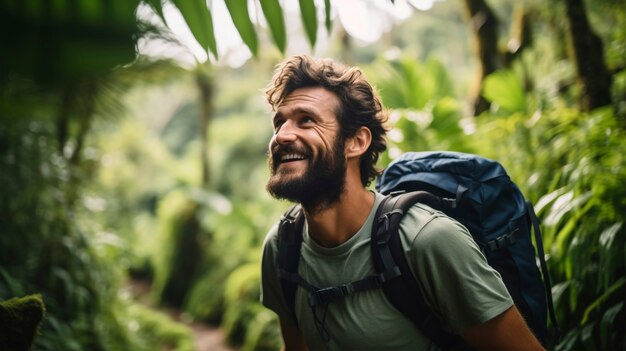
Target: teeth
(291,157)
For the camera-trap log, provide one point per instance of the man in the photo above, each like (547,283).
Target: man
(329,129)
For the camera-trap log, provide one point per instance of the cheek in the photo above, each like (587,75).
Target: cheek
(325,140)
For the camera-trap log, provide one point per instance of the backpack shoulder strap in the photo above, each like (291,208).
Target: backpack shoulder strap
(544,270)
(387,252)
(289,243)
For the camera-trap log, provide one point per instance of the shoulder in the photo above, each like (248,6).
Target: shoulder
(431,227)
(270,243)
(430,235)
(452,272)
(271,293)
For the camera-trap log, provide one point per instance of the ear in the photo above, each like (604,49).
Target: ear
(357,145)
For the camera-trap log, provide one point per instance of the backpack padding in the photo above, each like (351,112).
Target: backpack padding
(403,292)
(443,168)
(289,244)
(464,177)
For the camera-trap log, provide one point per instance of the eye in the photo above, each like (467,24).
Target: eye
(306,119)
(277,124)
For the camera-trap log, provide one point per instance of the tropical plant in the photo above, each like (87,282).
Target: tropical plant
(59,76)
(199,19)
(424,111)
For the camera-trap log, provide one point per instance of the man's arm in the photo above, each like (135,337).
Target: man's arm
(292,337)
(507,331)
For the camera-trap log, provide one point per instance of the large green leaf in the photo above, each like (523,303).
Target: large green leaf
(329,23)
(607,325)
(309,19)
(442,85)
(414,82)
(239,13)
(505,89)
(200,22)
(275,19)
(408,83)
(604,297)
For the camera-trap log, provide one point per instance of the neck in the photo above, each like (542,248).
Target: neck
(335,223)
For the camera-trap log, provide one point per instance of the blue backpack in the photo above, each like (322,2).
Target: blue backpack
(475,191)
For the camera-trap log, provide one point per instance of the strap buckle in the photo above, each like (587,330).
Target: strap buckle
(448,203)
(503,240)
(385,221)
(326,295)
(287,220)
(291,215)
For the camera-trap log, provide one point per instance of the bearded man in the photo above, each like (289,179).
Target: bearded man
(329,130)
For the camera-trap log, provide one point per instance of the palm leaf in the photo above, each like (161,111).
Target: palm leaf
(309,19)
(329,23)
(200,22)
(274,15)
(239,13)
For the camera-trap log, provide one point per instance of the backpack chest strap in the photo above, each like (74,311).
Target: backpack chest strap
(320,298)
(326,295)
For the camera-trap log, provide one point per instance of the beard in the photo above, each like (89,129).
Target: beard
(322,182)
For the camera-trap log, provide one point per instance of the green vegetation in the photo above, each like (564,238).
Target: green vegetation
(116,167)
(156,331)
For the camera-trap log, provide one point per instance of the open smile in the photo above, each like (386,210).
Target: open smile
(292,156)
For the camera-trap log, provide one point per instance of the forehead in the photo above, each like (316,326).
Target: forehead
(314,100)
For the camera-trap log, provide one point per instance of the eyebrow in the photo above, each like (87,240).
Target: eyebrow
(296,110)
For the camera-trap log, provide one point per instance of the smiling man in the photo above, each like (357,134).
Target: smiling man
(329,130)
(316,161)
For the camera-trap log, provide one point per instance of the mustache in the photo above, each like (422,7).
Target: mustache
(277,150)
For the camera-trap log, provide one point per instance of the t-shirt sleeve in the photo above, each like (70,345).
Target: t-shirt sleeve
(453,274)
(271,293)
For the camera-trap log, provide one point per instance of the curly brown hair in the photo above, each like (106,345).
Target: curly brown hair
(360,105)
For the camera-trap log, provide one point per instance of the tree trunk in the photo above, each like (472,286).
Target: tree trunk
(520,37)
(205,85)
(485,35)
(588,53)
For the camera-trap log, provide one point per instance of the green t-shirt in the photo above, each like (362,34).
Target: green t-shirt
(452,273)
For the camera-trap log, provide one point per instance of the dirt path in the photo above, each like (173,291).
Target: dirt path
(207,338)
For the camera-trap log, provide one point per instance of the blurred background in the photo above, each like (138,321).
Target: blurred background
(133,139)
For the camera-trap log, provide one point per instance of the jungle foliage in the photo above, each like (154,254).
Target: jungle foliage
(116,168)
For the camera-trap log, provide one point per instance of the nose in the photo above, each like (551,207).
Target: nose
(287,133)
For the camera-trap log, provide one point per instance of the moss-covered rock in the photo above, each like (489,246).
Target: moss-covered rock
(20,318)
